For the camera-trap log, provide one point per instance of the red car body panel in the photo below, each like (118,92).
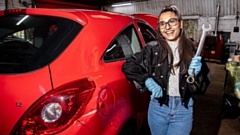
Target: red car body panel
(114,101)
(151,19)
(101,71)
(18,93)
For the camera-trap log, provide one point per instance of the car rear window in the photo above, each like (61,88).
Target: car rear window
(30,42)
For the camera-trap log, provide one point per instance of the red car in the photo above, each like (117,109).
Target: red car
(60,72)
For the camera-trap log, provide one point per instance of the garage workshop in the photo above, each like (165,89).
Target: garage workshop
(61,65)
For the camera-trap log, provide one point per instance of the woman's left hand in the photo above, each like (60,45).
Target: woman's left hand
(195,65)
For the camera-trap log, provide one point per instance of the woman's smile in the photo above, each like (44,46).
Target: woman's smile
(170,26)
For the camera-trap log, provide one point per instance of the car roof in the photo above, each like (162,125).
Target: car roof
(108,24)
(113,20)
(150,18)
(79,15)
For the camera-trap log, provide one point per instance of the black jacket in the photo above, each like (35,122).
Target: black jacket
(145,64)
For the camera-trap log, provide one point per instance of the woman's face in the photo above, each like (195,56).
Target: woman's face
(169,26)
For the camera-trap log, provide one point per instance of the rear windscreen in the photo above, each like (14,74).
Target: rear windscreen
(30,42)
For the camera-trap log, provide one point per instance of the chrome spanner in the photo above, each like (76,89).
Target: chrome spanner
(190,78)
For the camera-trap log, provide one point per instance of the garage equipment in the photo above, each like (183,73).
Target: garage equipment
(236,28)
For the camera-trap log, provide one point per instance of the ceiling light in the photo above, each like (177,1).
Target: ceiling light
(121,4)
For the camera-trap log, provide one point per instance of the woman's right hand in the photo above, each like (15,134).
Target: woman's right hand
(154,88)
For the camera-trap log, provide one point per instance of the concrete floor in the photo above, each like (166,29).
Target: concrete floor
(209,118)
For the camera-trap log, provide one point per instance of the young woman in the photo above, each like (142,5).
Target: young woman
(162,67)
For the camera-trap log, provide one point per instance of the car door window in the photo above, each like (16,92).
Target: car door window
(124,45)
(147,32)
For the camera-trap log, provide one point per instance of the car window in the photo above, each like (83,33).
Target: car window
(148,33)
(124,45)
(30,42)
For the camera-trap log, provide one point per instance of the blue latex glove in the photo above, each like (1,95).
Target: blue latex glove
(154,88)
(196,65)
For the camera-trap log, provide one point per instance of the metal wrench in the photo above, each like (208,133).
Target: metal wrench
(190,78)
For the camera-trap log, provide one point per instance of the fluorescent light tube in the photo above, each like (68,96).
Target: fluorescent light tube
(121,4)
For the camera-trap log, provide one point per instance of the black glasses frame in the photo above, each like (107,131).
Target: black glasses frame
(170,22)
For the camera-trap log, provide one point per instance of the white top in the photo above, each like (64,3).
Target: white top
(173,83)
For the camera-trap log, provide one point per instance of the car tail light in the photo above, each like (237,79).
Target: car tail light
(56,110)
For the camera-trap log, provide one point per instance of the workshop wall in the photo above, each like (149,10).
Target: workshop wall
(195,14)
(11,4)
(2,5)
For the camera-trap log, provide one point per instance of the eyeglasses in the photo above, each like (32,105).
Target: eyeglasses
(171,22)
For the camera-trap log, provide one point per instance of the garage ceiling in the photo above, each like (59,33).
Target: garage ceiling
(101,2)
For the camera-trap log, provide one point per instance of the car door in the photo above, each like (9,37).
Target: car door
(129,103)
